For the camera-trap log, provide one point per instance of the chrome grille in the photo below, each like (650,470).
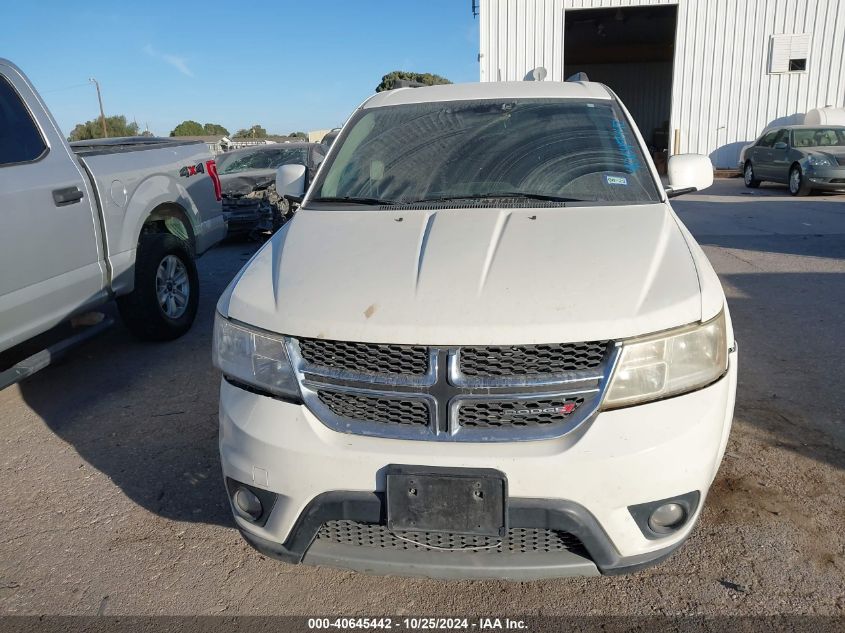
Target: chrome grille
(528,360)
(517,540)
(513,393)
(516,413)
(376,409)
(365,357)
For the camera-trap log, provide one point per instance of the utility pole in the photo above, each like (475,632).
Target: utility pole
(100,99)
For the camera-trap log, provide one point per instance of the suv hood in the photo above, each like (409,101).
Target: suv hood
(471,276)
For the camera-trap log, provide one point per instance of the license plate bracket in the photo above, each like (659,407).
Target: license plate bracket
(457,500)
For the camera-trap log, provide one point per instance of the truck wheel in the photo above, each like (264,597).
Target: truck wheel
(164,303)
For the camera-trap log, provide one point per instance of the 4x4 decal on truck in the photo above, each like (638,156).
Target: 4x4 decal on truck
(211,167)
(192,170)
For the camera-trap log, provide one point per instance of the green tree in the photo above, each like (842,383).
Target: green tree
(256,131)
(188,128)
(301,135)
(214,129)
(192,128)
(388,81)
(116,126)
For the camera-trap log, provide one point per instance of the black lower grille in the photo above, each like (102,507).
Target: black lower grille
(376,409)
(373,358)
(517,540)
(517,413)
(531,360)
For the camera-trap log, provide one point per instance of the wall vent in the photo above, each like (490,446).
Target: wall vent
(789,53)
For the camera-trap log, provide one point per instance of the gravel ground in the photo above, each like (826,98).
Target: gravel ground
(113,490)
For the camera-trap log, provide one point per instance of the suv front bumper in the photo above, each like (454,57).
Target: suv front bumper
(626,457)
(597,556)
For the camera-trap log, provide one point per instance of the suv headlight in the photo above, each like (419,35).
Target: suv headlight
(819,161)
(253,357)
(668,364)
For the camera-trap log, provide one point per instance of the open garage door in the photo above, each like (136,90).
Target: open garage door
(631,50)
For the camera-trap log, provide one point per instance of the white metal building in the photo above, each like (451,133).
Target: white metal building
(703,76)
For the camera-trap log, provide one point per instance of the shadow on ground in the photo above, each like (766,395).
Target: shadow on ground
(145,414)
(790,366)
(786,307)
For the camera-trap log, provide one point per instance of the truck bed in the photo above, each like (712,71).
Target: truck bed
(123,144)
(136,175)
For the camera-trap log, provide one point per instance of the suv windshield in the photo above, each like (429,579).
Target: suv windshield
(260,159)
(567,150)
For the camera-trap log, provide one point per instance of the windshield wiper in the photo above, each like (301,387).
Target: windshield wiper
(352,200)
(499,194)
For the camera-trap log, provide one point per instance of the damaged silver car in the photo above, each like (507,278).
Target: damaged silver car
(251,205)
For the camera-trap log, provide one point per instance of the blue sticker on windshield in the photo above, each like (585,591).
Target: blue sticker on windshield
(629,154)
(616,180)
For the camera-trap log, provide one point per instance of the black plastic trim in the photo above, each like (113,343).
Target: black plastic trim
(674,193)
(259,392)
(370,507)
(267,498)
(642,512)
(447,471)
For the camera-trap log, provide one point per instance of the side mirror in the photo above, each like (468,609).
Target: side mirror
(781,145)
(290,181)
(688,173)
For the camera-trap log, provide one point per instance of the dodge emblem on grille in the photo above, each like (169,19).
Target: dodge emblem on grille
(564,409)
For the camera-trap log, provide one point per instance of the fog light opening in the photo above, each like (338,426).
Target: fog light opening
(667,518)
(247,504)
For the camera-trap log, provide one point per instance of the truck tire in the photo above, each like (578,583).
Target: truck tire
(164,302)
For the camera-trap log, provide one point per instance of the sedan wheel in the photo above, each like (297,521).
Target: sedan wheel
(748,174)
(798,186)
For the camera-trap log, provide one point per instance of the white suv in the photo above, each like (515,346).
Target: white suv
(484,347)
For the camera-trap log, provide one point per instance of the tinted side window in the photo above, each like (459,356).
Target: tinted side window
(20,140)
(768,139)
(782,137)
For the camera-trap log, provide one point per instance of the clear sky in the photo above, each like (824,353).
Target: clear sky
(288,65)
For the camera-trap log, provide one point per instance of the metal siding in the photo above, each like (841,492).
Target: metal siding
(640,92)
(722,93)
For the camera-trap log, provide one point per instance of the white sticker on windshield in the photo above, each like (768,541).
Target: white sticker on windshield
(616,180)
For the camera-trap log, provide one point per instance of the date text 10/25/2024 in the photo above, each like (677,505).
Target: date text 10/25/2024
(417,624)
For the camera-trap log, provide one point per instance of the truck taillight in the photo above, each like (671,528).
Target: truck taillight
(211,168)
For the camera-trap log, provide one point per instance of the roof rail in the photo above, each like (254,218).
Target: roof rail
(406,83)
(538,74)
(579,76)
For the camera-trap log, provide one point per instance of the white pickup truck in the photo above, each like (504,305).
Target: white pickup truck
(484,346)
(85,222)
